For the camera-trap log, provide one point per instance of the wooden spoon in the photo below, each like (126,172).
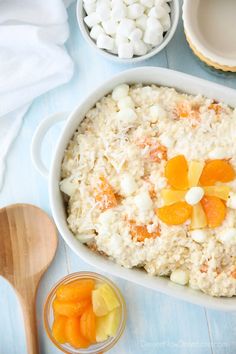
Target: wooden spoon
(28,242)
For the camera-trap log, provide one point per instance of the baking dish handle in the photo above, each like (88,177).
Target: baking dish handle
(38,139)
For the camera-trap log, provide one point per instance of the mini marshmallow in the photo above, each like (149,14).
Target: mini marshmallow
(105,42)
(159,11)
(180,276)
(125,102)
(118,12)
(143,201)
(110,26)
(165,22)
(68,187)
(127,184)
(151,36)
(157,112)
(135,11)
(166,7)
(136,34)
(92,19)
(107,217)
(96,31)
(155,24)
(120,92)
(89,2)
(125,27)
(199,236)
(140,47)
(120,39)
(147,3)
(90,8)
(217,153)
(231,202)
(159,2)
(166,140)
(125,50)
(114,50)
(194,195)
(127,116)
(141,22)
(103,11)
(228,236)
(129,2)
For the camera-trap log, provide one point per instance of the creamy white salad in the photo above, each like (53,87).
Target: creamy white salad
(114,173)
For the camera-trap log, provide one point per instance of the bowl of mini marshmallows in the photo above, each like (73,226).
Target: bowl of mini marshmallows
(128,30)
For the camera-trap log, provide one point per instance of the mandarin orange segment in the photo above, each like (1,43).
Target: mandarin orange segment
(233,274)
(176,172)
(140,233)
(88,324)
(204,268)
(174,214)
(58,329)
(158,153)
(183,110)
(105,195)
(217,171)
(76,291)
(70,308)
(73,333)
(215,210)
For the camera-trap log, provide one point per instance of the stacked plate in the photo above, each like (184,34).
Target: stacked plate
(210,31)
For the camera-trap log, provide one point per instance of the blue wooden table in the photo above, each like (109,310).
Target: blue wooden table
(156,323)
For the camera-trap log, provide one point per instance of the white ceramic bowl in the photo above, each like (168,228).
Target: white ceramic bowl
(174,4)
(210,30)
(145,75)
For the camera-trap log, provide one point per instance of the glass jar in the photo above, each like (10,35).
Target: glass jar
(97,348)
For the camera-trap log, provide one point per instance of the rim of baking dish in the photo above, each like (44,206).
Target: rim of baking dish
(204,51)
(175,9)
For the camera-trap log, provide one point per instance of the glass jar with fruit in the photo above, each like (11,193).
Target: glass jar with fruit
(84,313)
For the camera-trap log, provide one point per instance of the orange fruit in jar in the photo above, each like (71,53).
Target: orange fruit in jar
(174,214)
(215,210)
(58,329)
(71,308)
(217,171)
(88,324)
(74,335)
(76,291)
(176,172)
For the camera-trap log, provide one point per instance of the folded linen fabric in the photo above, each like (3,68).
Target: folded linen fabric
(33,60)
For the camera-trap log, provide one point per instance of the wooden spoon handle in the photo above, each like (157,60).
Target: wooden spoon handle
(29,315)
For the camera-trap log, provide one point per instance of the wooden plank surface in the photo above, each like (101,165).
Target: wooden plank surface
(156,323)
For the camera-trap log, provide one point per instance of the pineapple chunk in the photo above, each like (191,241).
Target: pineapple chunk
(99,304)
(194,172)
(198,220)
(171,196)
(109,296)
(106,326)
(104,300)
(221,192)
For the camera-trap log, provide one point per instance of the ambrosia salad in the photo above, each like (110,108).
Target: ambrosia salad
(149,181)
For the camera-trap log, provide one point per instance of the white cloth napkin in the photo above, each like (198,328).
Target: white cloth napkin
(33,60)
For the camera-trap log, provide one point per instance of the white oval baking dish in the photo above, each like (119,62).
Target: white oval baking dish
(146,75)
